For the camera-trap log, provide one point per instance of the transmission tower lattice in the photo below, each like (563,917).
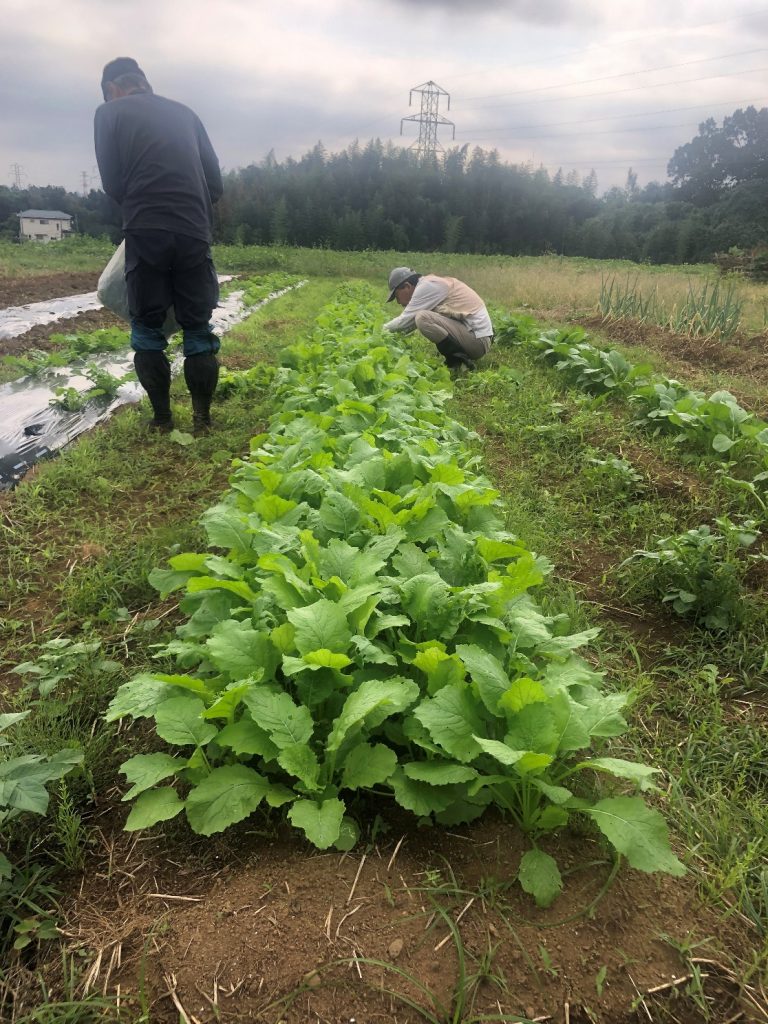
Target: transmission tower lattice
(429,120)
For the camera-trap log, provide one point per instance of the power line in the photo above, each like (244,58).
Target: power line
(608,117)
(623,74)
(631,88)
(609,131)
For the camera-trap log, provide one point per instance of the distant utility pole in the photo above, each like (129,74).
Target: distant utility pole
(84,176)
(17,171)
(429,119)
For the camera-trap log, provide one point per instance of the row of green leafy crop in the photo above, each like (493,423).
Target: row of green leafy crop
(362,625)
(716,425)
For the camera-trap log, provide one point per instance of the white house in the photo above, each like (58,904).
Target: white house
(44,225)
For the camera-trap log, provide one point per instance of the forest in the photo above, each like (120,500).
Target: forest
(468,200)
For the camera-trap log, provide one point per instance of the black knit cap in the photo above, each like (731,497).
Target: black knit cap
(119,66)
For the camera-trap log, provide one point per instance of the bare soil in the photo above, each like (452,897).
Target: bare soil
(18,291)
(262,928)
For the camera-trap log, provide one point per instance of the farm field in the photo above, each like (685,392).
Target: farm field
(407,920)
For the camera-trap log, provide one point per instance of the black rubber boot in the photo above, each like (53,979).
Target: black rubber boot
(454,355)
(202,375)
(154,373)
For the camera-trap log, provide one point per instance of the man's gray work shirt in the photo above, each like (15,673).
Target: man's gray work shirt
(157,162)
(431,293)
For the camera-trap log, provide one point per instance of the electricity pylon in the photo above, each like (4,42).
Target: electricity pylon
(428,144)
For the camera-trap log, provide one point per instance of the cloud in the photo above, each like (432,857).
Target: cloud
(537,12)
(334,70)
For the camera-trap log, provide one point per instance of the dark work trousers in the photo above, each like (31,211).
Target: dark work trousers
(163,269)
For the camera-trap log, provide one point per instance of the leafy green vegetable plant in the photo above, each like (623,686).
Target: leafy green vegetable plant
(699,572)
(24,780)
(716,425)
(362,623)
(63,660)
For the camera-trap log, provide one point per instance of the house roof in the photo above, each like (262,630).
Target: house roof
(50,214)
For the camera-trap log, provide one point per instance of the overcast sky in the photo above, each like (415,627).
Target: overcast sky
(575,84)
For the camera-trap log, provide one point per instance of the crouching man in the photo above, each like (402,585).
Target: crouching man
(446,311)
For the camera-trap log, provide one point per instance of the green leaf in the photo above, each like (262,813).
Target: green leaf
(499,751)
(722,443)
(180,720)
(368,765)
(602,717)
(640,774)
(452,719)
(146,770)
(229,700)
(440,668)
(188,683)
(540,876)
(487,673)
(11,718)
(23,785)
(229,794)
(236,647)
(139,697)
(298,759)
(349,834)
(439,773)
(533,728)
(153,806)
(427,600)
(63,761)
(372,654)
(226,529)
(323,658)
(420,797)
(320,625)
(198,584)
(570,722)
(245,737)
(321,823)
(375,698)
(286,722)
(552,818)
(638,832)
(557,794)
(523,692)
(339,515)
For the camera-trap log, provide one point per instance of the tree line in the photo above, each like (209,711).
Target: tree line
(377,196)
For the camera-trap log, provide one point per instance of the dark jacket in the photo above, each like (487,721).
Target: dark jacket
(157,162)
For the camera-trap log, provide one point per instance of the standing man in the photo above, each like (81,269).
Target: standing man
(446,311)
(157,162)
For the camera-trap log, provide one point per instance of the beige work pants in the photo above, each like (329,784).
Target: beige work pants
(437,327)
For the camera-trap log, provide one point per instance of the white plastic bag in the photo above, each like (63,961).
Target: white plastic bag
(113,293)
